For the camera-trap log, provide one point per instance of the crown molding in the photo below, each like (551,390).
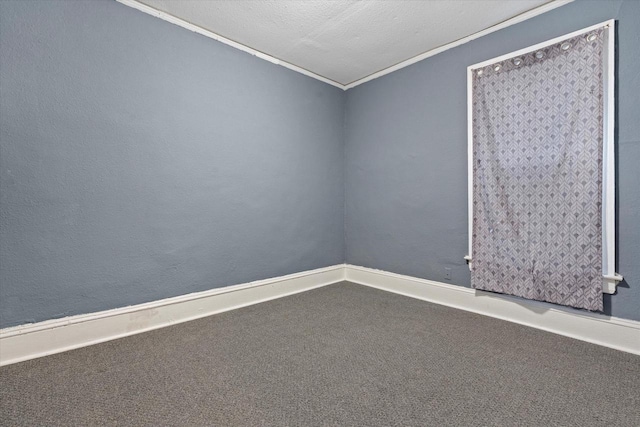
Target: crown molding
(504,24)
(197,29)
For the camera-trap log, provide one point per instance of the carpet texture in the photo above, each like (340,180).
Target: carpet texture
(342,355)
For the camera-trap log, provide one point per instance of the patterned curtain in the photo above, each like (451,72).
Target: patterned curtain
(537,174)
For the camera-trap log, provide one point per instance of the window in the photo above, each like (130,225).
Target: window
(541,170)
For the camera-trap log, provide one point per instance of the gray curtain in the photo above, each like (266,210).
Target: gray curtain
(537,174)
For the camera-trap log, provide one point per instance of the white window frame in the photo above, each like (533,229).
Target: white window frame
(610,277)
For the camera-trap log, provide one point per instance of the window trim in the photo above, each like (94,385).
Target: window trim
(610,277)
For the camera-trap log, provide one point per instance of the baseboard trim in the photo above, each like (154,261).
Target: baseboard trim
(35,340)
(616,333)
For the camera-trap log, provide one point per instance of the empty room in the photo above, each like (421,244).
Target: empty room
(320,213)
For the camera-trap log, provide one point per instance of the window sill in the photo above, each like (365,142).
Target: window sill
(609,283)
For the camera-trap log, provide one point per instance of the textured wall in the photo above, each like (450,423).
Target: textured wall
(141,161)
(406,154)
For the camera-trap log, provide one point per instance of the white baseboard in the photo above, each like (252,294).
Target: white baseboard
(34,340)
(620,334)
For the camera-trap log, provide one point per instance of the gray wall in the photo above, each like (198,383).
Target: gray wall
(406,157)
(139,161)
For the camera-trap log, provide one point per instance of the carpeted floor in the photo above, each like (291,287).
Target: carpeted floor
(342,355)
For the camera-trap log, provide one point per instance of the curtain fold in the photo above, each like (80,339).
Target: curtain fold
(537,174)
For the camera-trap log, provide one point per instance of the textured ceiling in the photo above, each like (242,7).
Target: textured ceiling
(346,40)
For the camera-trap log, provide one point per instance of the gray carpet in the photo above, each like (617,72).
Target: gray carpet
(343,355)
